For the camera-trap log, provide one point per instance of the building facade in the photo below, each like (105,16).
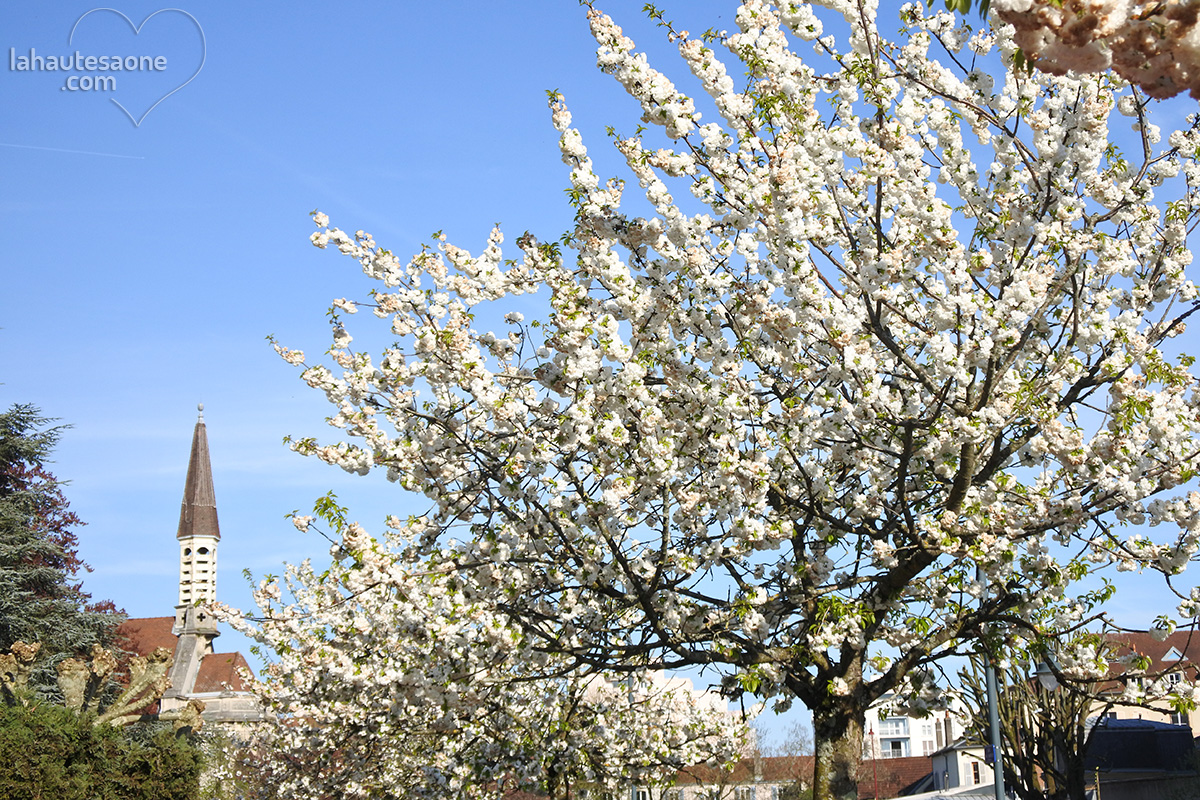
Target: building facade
(892,734)
(1173,661)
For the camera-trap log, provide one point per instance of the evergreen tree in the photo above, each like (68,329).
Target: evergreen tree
(41,598)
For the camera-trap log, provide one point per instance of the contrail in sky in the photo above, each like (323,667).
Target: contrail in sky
(62,150)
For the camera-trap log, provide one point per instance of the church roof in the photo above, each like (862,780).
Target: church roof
(218,671)
(198,512)
(143,635)
(221,671)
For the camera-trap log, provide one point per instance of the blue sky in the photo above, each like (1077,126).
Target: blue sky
(146,264)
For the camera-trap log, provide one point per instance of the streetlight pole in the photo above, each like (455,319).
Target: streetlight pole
(993,696)
(993,701)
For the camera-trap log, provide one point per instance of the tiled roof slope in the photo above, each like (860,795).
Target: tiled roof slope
(895,775)
(221,671)
(1186,643)
(143,635)
(773,770)
(218,671)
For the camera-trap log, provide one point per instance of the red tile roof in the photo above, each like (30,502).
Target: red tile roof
(221,671)
(218,671)
(775,769)
(894,775)
(1186,643)
(143,635)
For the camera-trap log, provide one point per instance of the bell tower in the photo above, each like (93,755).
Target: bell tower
(198,536)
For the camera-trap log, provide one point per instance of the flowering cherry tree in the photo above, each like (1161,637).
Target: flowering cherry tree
(390,682)
(887,358)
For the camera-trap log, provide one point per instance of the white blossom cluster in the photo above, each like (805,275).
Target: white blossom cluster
(1150,43)
(889,359)
(390,681)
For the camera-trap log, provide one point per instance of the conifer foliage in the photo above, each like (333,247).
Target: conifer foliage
(41,598)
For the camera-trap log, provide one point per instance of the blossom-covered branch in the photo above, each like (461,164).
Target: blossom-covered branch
(389,681)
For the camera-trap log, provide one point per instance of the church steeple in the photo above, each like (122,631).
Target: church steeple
(198,535)
(198,512)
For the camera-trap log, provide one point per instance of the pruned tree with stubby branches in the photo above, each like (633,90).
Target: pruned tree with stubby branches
(1045,733)
(885,355)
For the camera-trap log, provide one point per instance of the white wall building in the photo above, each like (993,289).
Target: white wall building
(961,764)
(891,734)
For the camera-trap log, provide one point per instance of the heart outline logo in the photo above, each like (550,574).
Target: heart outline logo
(137,29)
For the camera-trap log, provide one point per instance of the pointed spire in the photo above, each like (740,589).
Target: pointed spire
(198,514)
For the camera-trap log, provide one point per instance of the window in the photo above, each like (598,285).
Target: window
(896,748)
(743,793)
(1178,719)
(927,748)
(896,726)
(1173,678)
(975,772)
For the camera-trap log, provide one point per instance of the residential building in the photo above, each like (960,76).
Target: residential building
(1173,661)
(889,733)
(961,763)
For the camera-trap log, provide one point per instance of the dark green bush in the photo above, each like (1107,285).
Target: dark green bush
(48,752)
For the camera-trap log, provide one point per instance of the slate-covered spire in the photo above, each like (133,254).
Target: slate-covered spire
(198,513)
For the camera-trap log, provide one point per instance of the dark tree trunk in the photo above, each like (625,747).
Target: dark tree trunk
(838,737)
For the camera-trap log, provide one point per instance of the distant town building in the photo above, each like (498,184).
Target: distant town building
(1173,659)
(887,733)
